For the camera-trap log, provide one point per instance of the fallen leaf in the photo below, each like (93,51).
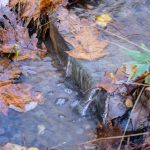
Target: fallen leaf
(86,45)
(19,95)
(11,146)
(110,81)
(103,20)
(33,148)
(139,116)
(116,106)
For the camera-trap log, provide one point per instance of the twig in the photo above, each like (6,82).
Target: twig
(119,147)
(54,147)
(120,37)
(115,137)
(135,83)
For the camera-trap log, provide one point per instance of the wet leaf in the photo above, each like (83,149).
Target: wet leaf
(110,80)
(103,20)
(33,8)
(11,146)
(86,45)
(115,102)
(33,148)
(139,116)
(19,95)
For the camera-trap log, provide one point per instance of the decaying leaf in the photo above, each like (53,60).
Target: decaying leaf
(110,80)
(33,8)
(19,95)
(139,116)
(84,37)
(115,102)
(108,131)
(10,74)
(17,43)
(86,45)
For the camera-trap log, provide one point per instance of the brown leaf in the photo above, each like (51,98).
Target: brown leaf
(86,45)
(4,62)
(19,95)
(109,81)
(33,8)
(9,75)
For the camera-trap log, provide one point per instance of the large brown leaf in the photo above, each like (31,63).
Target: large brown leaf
(86,45)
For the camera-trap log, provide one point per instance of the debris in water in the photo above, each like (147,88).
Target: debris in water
(61,101)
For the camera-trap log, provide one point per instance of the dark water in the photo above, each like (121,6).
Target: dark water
(53,123)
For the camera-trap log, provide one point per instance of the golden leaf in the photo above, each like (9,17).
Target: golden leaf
(103,20)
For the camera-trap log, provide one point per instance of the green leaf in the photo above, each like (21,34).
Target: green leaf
(138,56)
(147,79)
(145,48)
(17,53)
(132,63)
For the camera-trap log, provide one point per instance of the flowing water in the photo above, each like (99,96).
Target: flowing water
(56,123)
(52,123)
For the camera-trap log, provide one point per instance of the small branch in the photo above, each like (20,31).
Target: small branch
(140,84)
(114,137)
(120,37)
(130,117)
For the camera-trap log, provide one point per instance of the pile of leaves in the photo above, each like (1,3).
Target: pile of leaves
(34,8)
(129,95)
(16,46)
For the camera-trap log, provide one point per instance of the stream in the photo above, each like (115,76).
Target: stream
(54,123)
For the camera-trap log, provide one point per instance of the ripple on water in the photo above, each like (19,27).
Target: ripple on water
(68,91)
(61,101)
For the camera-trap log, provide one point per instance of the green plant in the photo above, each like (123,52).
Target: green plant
(140,63)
